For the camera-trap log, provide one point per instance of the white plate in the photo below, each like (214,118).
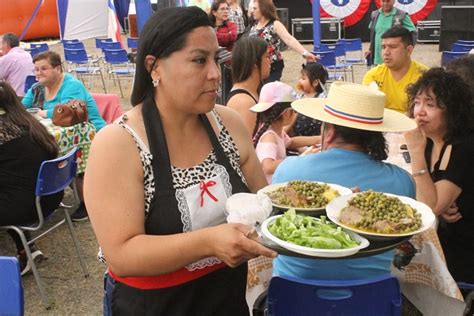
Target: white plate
(333,209)
(315,252)
(272,187)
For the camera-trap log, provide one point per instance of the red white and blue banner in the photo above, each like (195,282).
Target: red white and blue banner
(351,11)
(417,9)
(113,30)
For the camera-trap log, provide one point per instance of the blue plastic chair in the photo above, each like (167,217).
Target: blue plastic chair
(33,51)
(11,289)
(465,42)
(447,56)
(42,47)
(111,45)
(80,63)
(132,42)
(462,47)
(328,60)
(29,81)
(369,297)
(119,66)
(74,45)
(53,176)
(353,45)
(99,41)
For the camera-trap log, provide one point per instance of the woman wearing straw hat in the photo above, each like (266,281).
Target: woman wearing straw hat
(353,150)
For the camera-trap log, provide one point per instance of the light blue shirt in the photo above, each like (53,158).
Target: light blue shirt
(70,89)
(350,169)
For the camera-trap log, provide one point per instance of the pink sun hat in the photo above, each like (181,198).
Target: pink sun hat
(274,92)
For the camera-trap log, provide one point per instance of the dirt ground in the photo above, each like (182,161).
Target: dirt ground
(70,292)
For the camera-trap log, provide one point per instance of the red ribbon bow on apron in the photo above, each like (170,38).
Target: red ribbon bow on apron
(204,189)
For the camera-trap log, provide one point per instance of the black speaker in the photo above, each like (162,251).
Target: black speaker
(457,22)
(284,17)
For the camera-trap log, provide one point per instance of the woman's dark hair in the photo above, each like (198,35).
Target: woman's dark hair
(247,52)
(164,33)
(267,117)
(53,58)
(372,143)
(316,71)
(214,7)
(464,67)
(17,114)
(267,9)
(452,94)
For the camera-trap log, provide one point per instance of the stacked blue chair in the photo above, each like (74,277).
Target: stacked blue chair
(462,47)
(328,60)
(353,45)
(118,65)
(99,41)
(11,290)
(111,45)
(465,42)
(53,176)
(74,45)
(81,65)
(33,51)
(132,42)
(447,56)
(42,47)
(369,297)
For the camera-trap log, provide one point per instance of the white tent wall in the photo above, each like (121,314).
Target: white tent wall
(86,19)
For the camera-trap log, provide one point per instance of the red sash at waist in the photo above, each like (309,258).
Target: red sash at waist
(166,280)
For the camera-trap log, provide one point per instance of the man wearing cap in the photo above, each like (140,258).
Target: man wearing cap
(15,63)
(398,70)
(353,150)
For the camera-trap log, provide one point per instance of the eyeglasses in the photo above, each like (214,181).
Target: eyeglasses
(43,69)
(223,9)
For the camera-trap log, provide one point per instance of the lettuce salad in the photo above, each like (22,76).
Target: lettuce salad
(310,232)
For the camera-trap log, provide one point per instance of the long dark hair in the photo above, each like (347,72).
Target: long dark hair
(247,52)
(267,9)
(17,114)
(266,118)
(164,33)
(372,143)
(452,94)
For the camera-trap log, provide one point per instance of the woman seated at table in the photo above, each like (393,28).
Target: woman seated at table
(55,87)
(24,145)
(250,67)
(442,150)
(161,220)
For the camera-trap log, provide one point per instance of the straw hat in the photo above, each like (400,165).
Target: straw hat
(356,106)
(274,92)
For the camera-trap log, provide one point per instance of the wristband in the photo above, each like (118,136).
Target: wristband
(419,173)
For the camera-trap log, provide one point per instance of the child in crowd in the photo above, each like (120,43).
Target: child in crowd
(311,83)
(273,113)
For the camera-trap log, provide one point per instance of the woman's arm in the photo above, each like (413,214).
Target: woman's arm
(114,199)
(440,195)
(289,40)
(242,103)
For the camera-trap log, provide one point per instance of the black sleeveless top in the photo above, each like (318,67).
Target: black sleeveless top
(239,91)
(216,290)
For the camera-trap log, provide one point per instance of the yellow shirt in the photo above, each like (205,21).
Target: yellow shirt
(395,91)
